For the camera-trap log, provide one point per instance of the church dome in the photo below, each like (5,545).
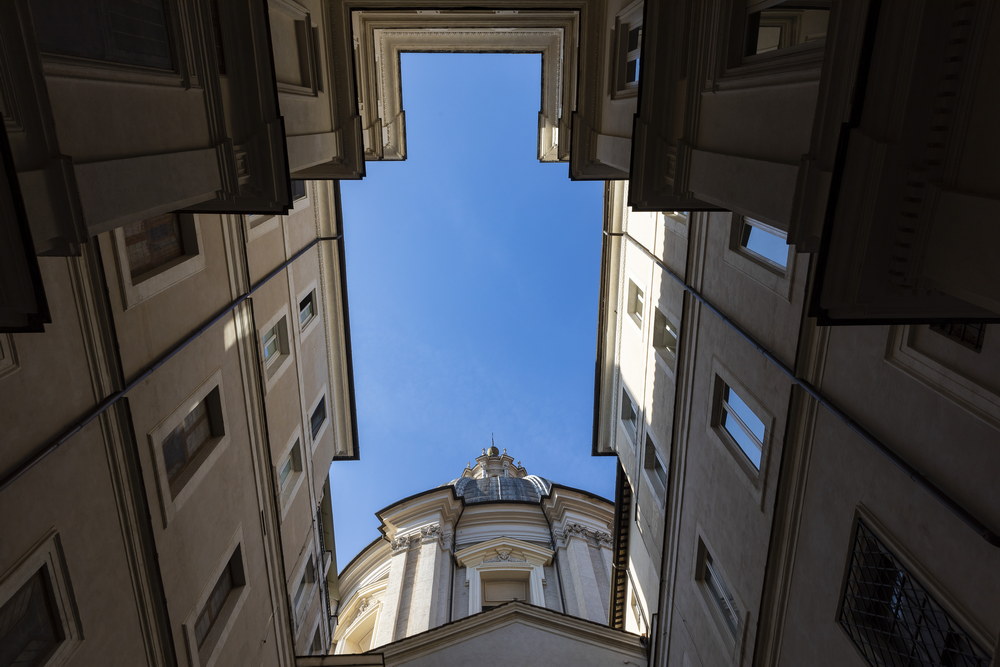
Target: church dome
(497,479)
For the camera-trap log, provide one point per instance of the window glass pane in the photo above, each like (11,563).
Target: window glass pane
(183,443)
(743,425)
(318,417)
(722,597)
(231,577)
(131,32)
(306,309)
(29,627)
(628,415)
(752,421)
(664,333)
(764,243)
(270,343)
(298,190)
(152,243)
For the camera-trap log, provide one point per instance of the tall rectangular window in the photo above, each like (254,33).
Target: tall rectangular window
(275,346)
(629,415)
(893,620)
(664,335)
(232,578)
(188,439)
(742,424)
(636,303)
(291,465)
(627,53)
(764,243)
(307,309)
(298,190)
(719,593)
(318,417)
(30,630)
(657,472)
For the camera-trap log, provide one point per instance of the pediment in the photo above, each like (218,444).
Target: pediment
(502,550)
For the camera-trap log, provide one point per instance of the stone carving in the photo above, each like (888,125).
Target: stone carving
(592,536)
(506,555)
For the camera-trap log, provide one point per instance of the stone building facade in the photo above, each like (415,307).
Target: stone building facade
(494,535)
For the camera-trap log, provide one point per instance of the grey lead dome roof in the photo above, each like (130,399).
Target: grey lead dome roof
(528,489)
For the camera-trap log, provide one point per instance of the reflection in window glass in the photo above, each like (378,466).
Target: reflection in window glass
(743,425)
(764,242)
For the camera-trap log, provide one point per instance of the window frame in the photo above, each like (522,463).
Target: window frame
(778,281)
(137,290)
(628,19)
(753,474)
(635,300)
(311,291)
(657,483)
(305,588)
(287,492)
(315,438)
(206,652)
(47,554)
(274,367)
(663,324)
(173,496)
(707,564)
(633,433)
(742,230)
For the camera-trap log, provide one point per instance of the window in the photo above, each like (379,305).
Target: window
(291,465)
(30,629)
(629,415)
(763,243)
(636,301)
(656,471)
(891,617)
(316,646)
(307,309)
(627,51)
(784,25)
(302,589)
(298,190)
(187,443)
(274,347)
(969,334)
(664,335)
(153,243)
(742,424)
(125,32)
(318,418)
(500,590)
(155,254)
(719,594)
(214,608)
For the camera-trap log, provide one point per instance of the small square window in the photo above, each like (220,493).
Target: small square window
(636,303)
(744,427)
(185,446)
(664,335)
(656,471)
(318,418)
(307,309)
(629,415)
(763,243)
(155,254)
(719,593)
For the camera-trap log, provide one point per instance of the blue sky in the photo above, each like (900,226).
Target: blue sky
(473,275)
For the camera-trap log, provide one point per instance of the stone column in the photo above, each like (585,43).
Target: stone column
(387,615)
(428,596)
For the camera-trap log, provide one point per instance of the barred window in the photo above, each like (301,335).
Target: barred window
(891,617)
(969,334)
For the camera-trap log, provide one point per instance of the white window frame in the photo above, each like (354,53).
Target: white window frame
(741,223)
(629,18)
(634,433)
(208,653)
(288,491)
(164,277)
(706,564)
(636,302)
(760,271)
(207,454)
(48,553)
(310,325)
(720,407)
(658,486)
(275,367)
